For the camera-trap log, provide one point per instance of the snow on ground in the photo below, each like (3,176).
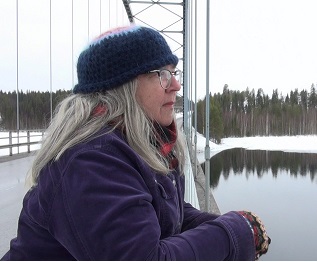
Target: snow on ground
(300,144)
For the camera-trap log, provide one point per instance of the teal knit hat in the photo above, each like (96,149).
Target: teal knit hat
(119,55)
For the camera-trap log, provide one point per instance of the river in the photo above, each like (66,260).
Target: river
(280,187)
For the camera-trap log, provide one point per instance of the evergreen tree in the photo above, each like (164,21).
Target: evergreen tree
(312,97)
(215,119)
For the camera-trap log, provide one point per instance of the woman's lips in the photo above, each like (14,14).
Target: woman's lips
(169,104)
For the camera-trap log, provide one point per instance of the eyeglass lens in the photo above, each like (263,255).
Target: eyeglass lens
(166,77)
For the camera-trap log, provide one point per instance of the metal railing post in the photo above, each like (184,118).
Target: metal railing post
(10,143)
(207,148)
(28,140)
(186,84)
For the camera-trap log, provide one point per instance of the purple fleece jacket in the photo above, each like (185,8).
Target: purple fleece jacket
(101,201)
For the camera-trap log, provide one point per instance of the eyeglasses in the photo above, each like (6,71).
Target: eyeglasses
(165,76)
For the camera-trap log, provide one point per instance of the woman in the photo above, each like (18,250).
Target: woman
(107,183)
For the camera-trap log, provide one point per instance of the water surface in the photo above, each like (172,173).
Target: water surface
(280,187)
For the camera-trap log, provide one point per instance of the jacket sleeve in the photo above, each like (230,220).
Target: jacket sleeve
(103,211)
(194,217)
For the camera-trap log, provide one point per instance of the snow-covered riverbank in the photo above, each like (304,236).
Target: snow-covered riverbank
(300,144)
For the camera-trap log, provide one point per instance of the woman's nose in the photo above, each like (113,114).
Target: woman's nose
(175,85)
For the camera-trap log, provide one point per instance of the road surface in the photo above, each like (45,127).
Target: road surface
(12,191)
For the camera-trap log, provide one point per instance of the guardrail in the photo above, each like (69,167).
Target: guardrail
(19,140)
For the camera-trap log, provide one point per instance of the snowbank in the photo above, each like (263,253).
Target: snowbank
(300,144)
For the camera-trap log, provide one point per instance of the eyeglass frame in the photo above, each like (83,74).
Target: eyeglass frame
(175,73)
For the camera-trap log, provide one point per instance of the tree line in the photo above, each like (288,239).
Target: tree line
(232,113)
(254,113)
(34,109)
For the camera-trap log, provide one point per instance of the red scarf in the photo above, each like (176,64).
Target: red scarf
(165,141)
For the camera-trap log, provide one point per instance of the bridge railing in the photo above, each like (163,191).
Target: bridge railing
(14,142)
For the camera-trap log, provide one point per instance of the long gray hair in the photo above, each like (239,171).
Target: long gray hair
(74,122)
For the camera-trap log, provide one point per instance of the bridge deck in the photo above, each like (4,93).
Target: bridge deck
(12,191)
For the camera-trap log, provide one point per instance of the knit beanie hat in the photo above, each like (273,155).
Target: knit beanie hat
(119,55)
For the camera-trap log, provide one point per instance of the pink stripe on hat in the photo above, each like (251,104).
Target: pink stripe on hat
(115,32)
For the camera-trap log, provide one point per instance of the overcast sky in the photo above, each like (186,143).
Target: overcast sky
(264,44)
(268,44)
